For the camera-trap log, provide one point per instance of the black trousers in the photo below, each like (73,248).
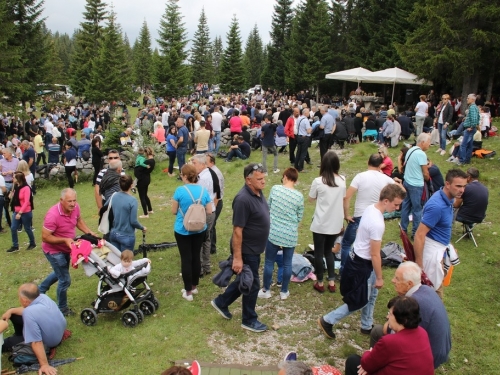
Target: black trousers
(324,144)
(41,156)
(69,171)
(213,232)
(171,161)
(302,148)
(142,188)
(97,169)
(351,364)
(17,337)
(292,142)
(189,249)
(323,244)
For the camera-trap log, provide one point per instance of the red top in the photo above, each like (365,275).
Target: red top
(290,127)
(407,352)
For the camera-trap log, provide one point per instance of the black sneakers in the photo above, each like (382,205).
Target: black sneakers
(67,311)
(31,247)
(326,327)
(13,249)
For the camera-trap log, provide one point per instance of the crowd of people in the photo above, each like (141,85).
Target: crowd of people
(266,225)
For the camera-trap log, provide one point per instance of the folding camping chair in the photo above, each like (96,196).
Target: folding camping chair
(468,230)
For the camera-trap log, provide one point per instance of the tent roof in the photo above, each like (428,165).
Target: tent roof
(351,75)
(393,75)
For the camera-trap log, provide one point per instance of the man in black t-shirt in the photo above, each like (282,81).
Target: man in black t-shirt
(474,201)
(251,224)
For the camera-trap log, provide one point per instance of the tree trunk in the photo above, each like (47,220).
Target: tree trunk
(317,94)
(469,86)
(491,80)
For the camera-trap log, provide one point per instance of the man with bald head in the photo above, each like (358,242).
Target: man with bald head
(38,326)
(58,233)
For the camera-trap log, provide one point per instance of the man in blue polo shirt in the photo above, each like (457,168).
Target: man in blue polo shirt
(182,142)
(251,224)
(328,126)
(38,326)
(434,232)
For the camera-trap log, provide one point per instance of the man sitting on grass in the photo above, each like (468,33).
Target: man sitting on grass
(38,326)
(239,148)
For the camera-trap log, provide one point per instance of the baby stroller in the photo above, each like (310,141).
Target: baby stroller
(113,295)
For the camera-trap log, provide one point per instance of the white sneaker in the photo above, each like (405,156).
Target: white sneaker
(193,291)
(187,297)
(451,159)
(264,294)
(439,150)
(284,295)
(276,171)
(443,152)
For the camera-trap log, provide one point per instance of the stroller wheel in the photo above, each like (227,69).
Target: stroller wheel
(147,307)
(155,301)
(140,315)
(88,317)
(130,319)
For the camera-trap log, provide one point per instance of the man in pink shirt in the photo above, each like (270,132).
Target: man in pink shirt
(57,236)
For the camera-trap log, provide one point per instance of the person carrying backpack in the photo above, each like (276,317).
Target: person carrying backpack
(191,203)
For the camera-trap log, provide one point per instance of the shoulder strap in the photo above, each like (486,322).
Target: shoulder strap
(409,156)
(111,199)
(192,198)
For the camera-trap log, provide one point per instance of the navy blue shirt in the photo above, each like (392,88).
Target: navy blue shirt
(251,213)
(244,148)
(268,131)
(27,155)
(183,132)
(474,202)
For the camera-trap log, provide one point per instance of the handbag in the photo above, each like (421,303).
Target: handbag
(106,217)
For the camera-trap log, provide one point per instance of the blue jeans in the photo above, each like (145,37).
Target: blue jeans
(217,141)
(232,292)
(122,241)
(333,317)
(26,219)
(412,204)
(348,240)
(181,157)
(60,265)
(235,153)
(271,257)
(466,145)
(442,136)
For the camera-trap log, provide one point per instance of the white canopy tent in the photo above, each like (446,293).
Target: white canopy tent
(393,75)
(350,75)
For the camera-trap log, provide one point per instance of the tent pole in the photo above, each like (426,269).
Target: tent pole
(393,85)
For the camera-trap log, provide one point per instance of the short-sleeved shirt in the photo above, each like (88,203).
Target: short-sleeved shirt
(245,148)
(268,131)
(184,200)
(184,133)
(438,216)
(9,166)
(303,125)
(368,184)
(43,321)
(170,137)
(327,122)
(36,144)
(62,225)
(28,154)
(286,207)
(421,108)
(2,184)
(251,212)
(474,202)
(371,227)
(329,212)
(413,167)
(202,138)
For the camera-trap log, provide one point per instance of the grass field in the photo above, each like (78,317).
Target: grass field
(194,330)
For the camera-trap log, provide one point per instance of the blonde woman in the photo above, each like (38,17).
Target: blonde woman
(387,165)
(23,167)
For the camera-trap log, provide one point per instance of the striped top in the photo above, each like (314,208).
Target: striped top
(286,208)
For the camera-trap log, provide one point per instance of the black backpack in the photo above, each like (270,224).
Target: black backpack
(86,155)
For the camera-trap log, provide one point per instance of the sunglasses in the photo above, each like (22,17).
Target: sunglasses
(256,167)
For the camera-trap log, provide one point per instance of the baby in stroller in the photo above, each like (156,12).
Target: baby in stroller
(128,264)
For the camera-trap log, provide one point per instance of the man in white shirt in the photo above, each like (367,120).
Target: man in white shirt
(217,128)
(219,205)
(362,273)
(49,126)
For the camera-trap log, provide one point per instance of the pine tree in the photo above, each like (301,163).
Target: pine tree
(156,63)
(253,59)
(143,64)
(217,51)
(309,54)
(87,39)
(200,56)
(232,74)
(274,70)
(110,77)
(64,46)
(11,63)
(30,37)
(173,75)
